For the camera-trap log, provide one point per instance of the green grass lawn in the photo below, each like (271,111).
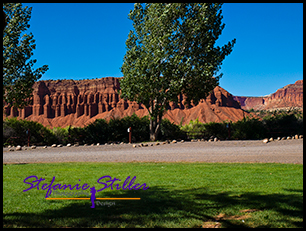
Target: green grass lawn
(179,195)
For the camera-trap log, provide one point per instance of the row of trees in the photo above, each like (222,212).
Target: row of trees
(170,51)
(100,131)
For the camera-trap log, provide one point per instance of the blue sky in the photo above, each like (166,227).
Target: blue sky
(87,40)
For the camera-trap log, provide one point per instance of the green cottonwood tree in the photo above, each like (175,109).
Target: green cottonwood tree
(18,75)
(172,51)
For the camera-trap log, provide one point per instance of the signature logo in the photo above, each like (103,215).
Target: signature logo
(34,182)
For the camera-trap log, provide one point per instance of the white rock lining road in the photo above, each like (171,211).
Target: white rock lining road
(283,151)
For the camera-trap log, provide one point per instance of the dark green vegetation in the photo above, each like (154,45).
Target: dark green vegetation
(277,124)
(14,132)
(179,195)
(266,113)
(268,124)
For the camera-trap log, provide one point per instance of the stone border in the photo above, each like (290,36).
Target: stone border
(211,139)
(266,140)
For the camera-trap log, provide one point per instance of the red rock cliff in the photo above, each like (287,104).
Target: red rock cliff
(290,96)
(70,102)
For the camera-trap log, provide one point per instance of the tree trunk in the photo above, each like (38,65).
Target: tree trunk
(155,120)
(153,135)
(154,128)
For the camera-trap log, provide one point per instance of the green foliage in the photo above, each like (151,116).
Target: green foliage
(263,114)
(171,131)
(280,124)
(284,124)
(15,133)
(248,129)
(172,51)
(219,130)
(18,46)
(96,132)
(251,110)
(194,129)
(116,130)
(275,125)
(61,135)
(140,127)
(76,135)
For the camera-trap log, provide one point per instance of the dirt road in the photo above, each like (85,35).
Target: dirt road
(285,151)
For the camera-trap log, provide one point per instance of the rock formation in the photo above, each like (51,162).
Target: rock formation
(290,96)
(78,103)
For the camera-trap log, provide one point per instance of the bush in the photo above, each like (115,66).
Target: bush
(194,129)
(15,133)
(96,132)
(116,130)
(244,129)
(76,135)
(140,128)
(170,131)
(283,124)
(219,130)
(248,129)
(61,135)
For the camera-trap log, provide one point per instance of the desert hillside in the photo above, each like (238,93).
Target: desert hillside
(290,96)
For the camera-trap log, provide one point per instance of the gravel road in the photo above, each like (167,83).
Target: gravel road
(285,151)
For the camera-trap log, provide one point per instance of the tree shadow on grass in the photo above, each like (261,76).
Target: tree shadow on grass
(163,207)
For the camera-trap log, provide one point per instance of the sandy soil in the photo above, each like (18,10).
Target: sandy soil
(285,151)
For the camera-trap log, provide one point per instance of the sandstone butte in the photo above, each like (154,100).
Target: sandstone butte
(60,103)
(290,96)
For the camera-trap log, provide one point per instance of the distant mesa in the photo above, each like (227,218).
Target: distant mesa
(60,103)
(290,96)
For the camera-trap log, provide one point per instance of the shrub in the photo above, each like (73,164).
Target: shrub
(96,132)
(15,132)
(116,130)
(194,129)
(140,128)
(244,129)
(61,135)
(219,130)
(283,124)
(248,129)
(10,135)
(170,131)
(76,134)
